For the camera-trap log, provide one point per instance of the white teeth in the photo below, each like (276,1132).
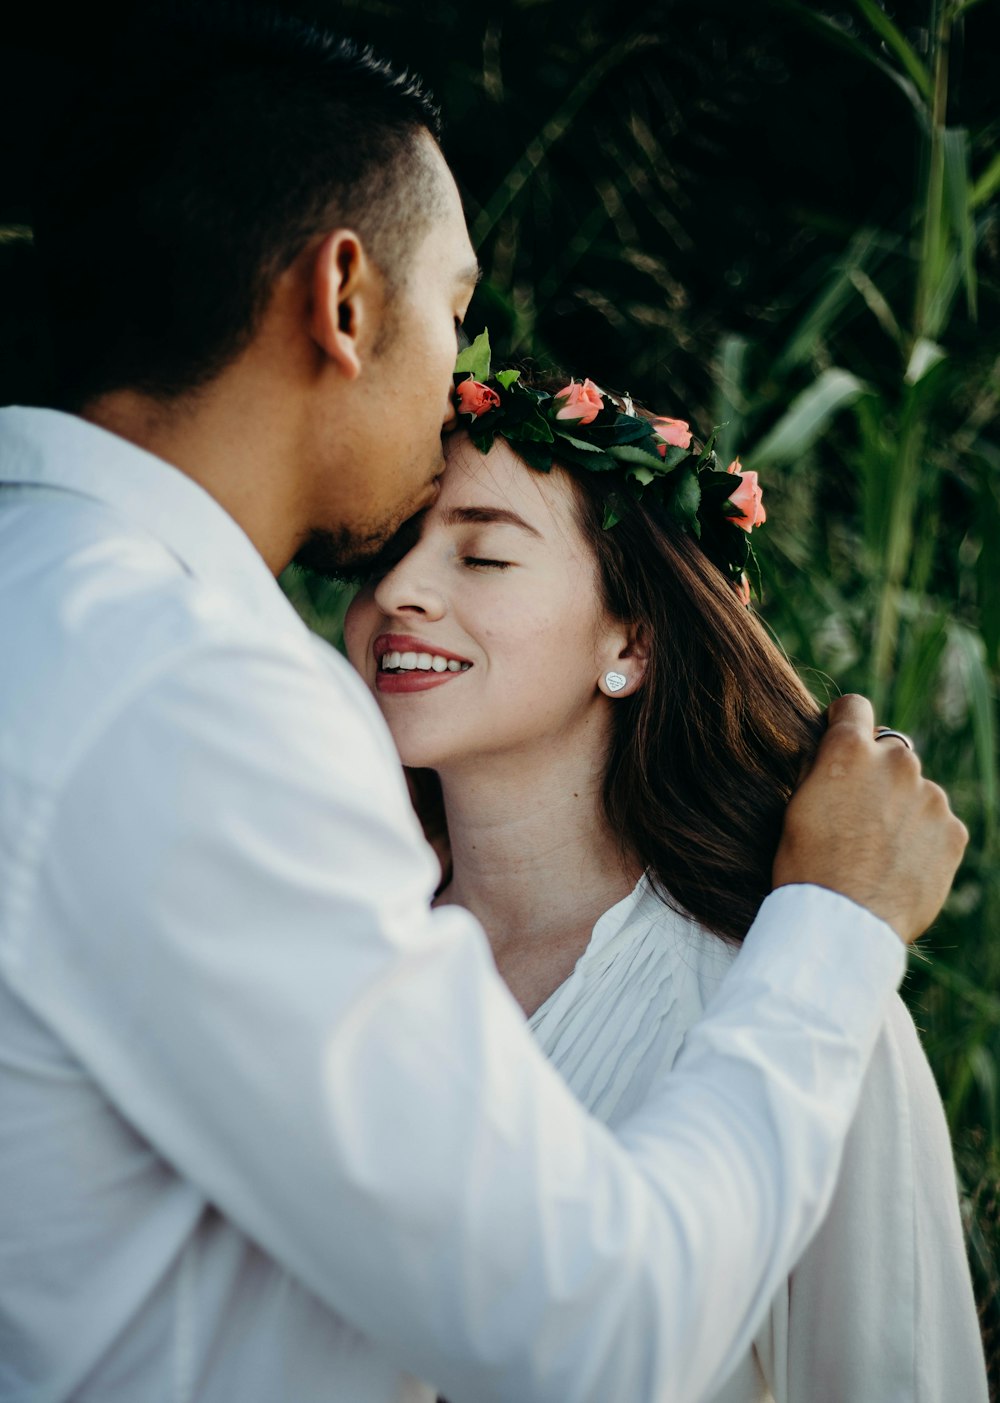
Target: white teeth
(420,662)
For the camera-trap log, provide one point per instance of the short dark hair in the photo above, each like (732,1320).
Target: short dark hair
(223,139)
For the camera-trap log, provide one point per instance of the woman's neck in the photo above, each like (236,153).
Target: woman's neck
(535,861)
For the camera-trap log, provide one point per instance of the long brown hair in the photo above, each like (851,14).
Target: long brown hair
(705,755)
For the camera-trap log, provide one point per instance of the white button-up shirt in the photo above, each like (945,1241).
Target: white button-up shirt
(270,1129)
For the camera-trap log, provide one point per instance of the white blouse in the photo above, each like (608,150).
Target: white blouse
(880,1308)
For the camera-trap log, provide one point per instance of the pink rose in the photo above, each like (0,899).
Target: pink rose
(474,398)
(672,431)
(581,403)
(748,498)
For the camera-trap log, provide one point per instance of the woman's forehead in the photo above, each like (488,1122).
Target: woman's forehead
(501,479)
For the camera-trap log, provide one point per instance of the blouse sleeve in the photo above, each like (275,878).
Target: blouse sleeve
(881,1304)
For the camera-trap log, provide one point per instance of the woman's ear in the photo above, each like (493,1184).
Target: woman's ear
(346,300)
(626,661)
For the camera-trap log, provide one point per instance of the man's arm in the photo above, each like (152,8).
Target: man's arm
(231,932)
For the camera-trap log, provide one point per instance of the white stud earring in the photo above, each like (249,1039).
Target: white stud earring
(614,681)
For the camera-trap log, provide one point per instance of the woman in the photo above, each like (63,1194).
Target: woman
(615,737)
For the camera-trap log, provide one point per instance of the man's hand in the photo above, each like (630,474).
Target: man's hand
(864,822)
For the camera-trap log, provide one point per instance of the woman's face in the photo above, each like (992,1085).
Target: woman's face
(489,635)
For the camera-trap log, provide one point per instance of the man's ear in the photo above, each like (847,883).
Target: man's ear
(627,657)
(346,300)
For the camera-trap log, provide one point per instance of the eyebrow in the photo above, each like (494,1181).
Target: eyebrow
(487,516)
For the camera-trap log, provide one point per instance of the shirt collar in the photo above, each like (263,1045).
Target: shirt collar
(47,448)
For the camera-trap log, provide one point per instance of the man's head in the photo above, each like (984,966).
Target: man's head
(200,184)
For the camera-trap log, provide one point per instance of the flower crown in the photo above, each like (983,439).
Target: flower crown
(655,461)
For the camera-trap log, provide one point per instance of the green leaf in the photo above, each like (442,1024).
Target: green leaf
(642,475)
(580,443)
(508,377)
(475,359)
(599,462)
(686,501)
(522,419)
(536,456)
(482,435)
(629,453)
(675,455)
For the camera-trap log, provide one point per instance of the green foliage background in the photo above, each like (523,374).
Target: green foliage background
(783,218)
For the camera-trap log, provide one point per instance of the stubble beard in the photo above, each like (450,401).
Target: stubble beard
(352,556)
(344,555)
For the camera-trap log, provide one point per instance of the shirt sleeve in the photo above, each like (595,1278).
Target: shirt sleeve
(231,932)
(881,1304)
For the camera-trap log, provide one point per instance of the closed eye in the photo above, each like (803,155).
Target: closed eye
(478,563)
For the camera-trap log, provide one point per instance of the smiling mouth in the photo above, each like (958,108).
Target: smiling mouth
(396,662)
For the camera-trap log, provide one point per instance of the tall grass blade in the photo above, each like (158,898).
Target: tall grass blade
(894,40)
(808,416)
(971,655)
(731,398)
(987,185)
(955,150)
(556,127)
(830,303)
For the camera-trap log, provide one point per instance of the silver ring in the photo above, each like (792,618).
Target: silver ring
(885,732)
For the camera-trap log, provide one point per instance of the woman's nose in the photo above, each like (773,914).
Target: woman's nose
(407,590)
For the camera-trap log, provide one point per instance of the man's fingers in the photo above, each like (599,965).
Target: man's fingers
(854,712)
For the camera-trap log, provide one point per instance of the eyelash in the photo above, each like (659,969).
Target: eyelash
(478,563)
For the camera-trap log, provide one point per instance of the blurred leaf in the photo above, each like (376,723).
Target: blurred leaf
(555,128)
(808,416)
(918,672)
(731,401)
(924,357)
(988,563)
(837,293)
(955,141)
(987,185)
(913,92)
(894,40)
(982,706)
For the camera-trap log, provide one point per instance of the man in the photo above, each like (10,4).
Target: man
(270,1129)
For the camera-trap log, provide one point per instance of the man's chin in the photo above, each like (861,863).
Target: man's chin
(341,555)
(353,557)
